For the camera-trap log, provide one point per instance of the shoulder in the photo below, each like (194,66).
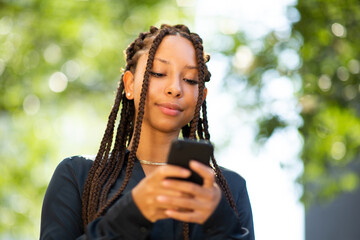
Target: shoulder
(77,163)
(236,182)
(75,169)
(61,210)
(233,177)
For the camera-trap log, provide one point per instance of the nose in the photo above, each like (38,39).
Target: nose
(173,87)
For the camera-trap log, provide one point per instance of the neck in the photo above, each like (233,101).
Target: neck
(154,146)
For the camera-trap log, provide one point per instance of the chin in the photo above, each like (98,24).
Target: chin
(168,126)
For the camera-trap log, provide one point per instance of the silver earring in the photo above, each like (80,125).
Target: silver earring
(128,94)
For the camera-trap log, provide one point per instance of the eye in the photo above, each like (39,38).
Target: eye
(191,81)
(158,75)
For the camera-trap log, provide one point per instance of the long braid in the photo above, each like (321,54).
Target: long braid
(113,156)
(205,121)
(197,42)
(99,160)
(186,231)
(200,130)
(92,181)
(125,127)
(139,119)
(130,120)
(120,143)
(219,176)
(96,188)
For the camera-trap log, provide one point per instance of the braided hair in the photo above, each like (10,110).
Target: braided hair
(110,159)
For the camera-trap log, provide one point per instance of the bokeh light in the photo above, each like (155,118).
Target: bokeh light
(343,73)
(72,69)
(52,53)
(324,82)
(354,66)
(58,82)
(338,30)
(31,104)
(338,150)
(243,59)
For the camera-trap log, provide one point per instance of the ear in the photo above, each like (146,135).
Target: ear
(128,79)
(204,94)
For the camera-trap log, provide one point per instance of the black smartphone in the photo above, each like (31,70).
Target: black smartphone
(184,150)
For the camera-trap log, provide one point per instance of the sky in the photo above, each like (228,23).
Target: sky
(273,193)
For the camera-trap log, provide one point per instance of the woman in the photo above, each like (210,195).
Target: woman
(127,194)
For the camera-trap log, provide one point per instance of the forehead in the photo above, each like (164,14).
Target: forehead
(174,47)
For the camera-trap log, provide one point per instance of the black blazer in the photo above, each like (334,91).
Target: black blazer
(61,210)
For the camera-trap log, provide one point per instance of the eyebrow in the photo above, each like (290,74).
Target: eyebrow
(167,62)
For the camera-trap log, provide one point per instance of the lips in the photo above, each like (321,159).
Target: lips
(170,109)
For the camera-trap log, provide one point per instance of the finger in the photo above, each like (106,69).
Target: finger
(153,192)
(204,171)
(170,192)
(168,195)
(181,202)
(165,206)
(160,213)
(170,171)
(189,188)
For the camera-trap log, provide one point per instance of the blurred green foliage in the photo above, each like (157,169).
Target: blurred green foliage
(60,63)
(330,96)
(326,77)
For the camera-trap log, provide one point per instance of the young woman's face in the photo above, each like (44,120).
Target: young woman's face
(173,86)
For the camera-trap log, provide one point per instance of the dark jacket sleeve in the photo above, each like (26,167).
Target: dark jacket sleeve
(61,211)
(223,223)
(245,215)
(122,221)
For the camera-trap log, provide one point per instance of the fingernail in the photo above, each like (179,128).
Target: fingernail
(185,172)
(165,183)
(161,198)
(195,163)
(168,212)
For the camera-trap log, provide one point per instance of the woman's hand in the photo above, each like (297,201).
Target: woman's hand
(158,197)
(146,193)
(199,201)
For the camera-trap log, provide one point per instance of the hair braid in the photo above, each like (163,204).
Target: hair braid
(130,120)
(219,176)
(201,74)
(119,139)
(99,170)
(205,121)
(96,188)
(138,123)
(200,130)
(125,126)
(186,231)
(120,142)
(100,160)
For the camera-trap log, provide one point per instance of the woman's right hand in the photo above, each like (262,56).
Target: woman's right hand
(146,192)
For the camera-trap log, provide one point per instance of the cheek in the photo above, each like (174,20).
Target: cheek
(152,92)
(192,97)
(136,98)
(137,89)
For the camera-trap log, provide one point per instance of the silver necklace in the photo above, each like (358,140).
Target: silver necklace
(152,163)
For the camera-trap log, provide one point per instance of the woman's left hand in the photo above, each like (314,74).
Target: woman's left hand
(198,202)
